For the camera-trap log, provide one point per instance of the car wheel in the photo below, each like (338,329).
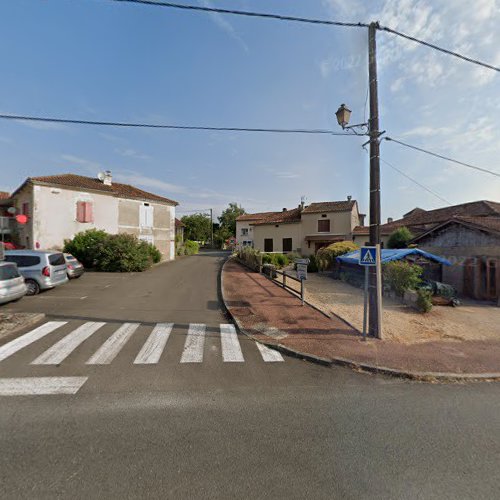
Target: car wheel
(32,286)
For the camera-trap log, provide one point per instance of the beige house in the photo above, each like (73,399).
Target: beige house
(304,229)
(59,206)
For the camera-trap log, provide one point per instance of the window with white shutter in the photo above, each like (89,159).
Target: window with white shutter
(146,215)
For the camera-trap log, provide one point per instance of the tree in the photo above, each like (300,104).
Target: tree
(220,237)
(399,238)
(228,218)
(197,227)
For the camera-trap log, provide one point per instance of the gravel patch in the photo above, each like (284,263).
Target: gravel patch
(12,322)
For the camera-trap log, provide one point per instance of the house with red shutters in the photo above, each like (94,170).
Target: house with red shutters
(59,206)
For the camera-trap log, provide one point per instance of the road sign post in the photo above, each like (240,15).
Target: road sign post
(370,257)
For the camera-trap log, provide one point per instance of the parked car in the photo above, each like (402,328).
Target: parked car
(74,267)
(41,269)
(12,286)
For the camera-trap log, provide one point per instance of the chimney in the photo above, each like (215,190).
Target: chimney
(349,197)
(389,220)
(107,178)
(284,210)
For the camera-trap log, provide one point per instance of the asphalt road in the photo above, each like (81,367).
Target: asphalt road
(220,429)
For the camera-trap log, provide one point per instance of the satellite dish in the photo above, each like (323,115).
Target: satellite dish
(101,176)
(11,210)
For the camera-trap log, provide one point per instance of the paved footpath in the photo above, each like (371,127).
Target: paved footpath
(271,314)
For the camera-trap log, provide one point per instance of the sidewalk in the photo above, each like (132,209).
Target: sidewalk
(270,314)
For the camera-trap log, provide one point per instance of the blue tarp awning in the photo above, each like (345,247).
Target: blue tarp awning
(388,255)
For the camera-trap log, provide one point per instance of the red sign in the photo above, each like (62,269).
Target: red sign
(22,219)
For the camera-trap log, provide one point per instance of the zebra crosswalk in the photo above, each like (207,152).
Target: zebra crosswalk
(150,352)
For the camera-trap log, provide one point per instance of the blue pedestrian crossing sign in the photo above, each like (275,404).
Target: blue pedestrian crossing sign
(368,256)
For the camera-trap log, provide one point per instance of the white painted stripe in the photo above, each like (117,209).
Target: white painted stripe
(28,338)
(38,386)
(108,351)
(153,347)
(269,355)
(195,341)
(62,349)
(231,350)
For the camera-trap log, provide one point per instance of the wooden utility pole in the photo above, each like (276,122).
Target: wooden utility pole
(374,327)
(212,228)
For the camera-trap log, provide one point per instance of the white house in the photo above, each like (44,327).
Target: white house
(59,206)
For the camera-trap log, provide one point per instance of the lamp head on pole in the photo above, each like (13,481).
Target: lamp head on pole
(343,115)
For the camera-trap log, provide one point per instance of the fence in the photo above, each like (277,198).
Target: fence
(272,273)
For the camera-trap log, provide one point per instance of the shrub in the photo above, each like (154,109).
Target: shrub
(326,257)
(86,246)
(399,238)
(312,267)
(191,247)
(123,253)
(424,300)
(154,253)
(280,260)
(401,276)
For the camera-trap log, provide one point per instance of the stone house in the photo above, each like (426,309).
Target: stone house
(304,229)
(59,206)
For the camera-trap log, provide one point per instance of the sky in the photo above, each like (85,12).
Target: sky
(104,60)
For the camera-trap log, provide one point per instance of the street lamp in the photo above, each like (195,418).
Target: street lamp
(343,115)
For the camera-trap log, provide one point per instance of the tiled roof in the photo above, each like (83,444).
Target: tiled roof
(4,195)
(489,223)
(179,223)
(420,220)
(330,206)
(285,217)
(258,216)
(116,189)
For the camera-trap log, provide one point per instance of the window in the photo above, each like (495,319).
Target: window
(8,272)
(324,226)
(287,244)
(26,209)
(146,215)
(84,211)
(57,259)
(244,231)
(268,245)
(23,260)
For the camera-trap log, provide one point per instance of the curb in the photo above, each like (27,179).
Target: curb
(356,365)
(37,317)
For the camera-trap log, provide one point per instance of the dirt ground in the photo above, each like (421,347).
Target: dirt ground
(11,322)
(471,321)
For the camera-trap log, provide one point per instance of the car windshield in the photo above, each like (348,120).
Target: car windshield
(8,272)
(57,259)
(70,257)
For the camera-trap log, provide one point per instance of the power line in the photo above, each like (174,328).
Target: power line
(278,17)
(468,165)
(309,21)
(441,49)
(172,127)
(416,182)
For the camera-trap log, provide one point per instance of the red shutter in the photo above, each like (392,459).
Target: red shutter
(80,211)
(89,212)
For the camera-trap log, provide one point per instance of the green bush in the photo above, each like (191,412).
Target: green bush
(154,253)
(312,267)
(123,253)
(326,257)
(86,246)
(191,247)
(280,260)
(401,276)
(399,238)
(424,300)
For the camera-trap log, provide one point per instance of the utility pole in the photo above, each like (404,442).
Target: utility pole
(211,228)
(374,327)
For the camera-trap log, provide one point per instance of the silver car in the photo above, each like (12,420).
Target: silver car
(12,286)
(41,269)
(75,267)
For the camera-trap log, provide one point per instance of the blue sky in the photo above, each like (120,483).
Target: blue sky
(99,60)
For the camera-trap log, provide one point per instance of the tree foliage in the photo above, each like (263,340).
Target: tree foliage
(197,227)
(400,238)
(228,218)
(326,256)
(401,276)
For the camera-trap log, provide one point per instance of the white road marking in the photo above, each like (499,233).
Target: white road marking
(231,350)
(38,386)
(269,355)
(15,345)
(195,341)
(108,351)
(62,349)
(153,347)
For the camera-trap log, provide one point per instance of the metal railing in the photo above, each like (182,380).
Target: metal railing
(273,276)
